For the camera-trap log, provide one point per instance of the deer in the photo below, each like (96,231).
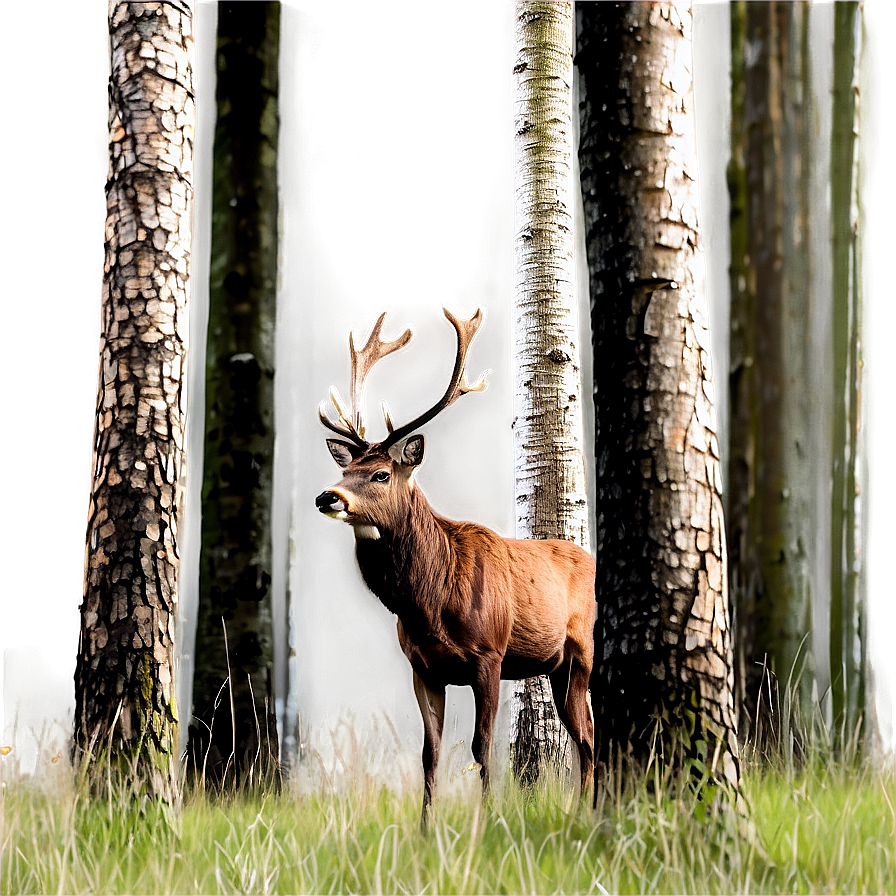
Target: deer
(473,607)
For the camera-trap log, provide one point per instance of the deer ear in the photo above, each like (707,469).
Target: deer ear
(412,452)
(343,452)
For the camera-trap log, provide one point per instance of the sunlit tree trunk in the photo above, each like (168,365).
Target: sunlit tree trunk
(550,480)
(663,663)
(234,734)
(124,690)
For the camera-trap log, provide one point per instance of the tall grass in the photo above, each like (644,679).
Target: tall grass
(822,826)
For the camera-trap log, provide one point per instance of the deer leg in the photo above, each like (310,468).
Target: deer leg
(569,685)
(486,694)
(432,707)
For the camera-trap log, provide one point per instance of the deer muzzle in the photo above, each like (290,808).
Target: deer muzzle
(331,504)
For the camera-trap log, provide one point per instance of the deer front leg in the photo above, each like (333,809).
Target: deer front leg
(432,707)
(569,685)
(486,692)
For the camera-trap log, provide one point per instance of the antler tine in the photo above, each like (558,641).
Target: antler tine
(374,350)
(466,330)
(388,418)
(342,429)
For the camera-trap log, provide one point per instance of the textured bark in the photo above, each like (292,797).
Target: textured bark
(234,737)
(550,474)
(124,689)
(662,638)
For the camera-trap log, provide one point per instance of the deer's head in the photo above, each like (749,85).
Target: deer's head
(377,477)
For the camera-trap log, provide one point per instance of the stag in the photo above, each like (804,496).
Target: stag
(472,607)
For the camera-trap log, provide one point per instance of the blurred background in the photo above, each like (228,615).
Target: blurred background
(396,178)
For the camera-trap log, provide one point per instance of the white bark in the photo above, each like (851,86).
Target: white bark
(548,433)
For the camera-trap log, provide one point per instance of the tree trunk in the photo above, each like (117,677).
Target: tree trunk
(234,735)
(841,185)
(743,562)
(775,290)
(877,276)
(763,133)
(550,476)
(663,661)
(768,287)
(124,690)
(795,664)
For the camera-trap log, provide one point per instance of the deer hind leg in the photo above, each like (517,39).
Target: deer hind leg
(432,707)
(569,685)
(486,694)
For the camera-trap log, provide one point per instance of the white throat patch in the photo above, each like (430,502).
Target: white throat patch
(370,532)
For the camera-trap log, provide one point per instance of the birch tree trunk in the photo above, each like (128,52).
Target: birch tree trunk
(124,690)
(663,658)
(550,476)
(234,735)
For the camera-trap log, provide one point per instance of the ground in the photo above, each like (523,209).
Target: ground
(825,827)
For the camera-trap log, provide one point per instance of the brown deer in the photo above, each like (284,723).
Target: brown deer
(472,607)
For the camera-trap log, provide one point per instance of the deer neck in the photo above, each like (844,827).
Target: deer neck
(406,563)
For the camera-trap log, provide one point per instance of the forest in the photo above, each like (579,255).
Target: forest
(686,413)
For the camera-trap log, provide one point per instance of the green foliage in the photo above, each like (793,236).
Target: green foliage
(825,827)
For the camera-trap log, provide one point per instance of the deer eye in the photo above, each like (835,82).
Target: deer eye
(380,476)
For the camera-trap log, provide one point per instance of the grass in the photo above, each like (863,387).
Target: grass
(821,828)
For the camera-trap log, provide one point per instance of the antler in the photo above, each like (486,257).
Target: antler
(362,362)
(466,330)
(374,349)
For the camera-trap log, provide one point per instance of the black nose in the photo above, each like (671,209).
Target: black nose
(329,502)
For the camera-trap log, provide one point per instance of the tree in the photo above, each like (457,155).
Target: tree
(783,454)
(663,657)
(877,275)
(773,291)
(836,325)
(550,474)
(234,734)
(124,690)
(740,339)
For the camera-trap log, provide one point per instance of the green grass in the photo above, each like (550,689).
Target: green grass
(825,828)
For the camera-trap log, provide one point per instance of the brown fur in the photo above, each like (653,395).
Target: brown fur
(472,607)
